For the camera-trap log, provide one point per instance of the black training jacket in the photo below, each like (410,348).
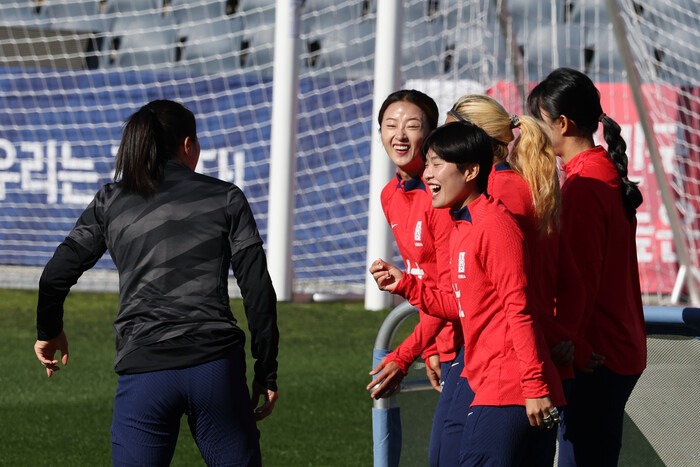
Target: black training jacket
(173,253)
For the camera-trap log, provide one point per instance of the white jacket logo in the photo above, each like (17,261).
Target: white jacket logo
(414,269)
(458,294)
(417,233)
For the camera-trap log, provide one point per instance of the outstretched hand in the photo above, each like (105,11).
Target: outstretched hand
(269,400)
(385,275)
(388,380)
(46,351)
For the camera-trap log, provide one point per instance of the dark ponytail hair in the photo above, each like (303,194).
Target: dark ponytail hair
(418,98)
(571,93)
(462,143)
(151,138)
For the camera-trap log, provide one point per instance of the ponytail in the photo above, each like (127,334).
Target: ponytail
(533,159)
(617,149)
(151,138)
(569,92)
(532,156)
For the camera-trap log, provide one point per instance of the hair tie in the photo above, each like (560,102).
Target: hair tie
(514,121)
(602,116)
(456,115)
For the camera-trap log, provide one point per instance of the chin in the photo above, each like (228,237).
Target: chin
(439,205)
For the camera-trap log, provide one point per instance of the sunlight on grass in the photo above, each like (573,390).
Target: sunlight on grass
(323,416)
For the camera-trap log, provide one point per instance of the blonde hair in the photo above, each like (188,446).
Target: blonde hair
(532,156)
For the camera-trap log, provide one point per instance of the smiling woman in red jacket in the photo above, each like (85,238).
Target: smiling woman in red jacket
(598,222)
(422,235)
(506,359)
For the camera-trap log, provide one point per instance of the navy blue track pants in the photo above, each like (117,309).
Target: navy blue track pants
(214,396)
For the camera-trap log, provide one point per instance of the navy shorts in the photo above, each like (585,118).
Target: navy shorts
(502,436)
(148,408)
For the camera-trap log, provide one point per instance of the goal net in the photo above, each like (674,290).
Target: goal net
(72,71)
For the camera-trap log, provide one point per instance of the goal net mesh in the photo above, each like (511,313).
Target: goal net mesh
(72,71)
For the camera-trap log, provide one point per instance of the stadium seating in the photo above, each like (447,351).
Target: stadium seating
(16,10)
(258,48)
(214,48)
(351,45)
(74,15)
(426,59)
(143,40)
(416,11)
(606,64)
(132,6)
(465,14)
(590,12)
(669,16)
(527,15)
(195,11)
(551,47)
(474,49)
(318,14)
(257,12)
(679,56)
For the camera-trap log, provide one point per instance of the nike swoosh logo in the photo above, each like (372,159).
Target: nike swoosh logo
(393,225)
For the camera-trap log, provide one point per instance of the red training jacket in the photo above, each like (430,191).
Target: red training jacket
(506,357)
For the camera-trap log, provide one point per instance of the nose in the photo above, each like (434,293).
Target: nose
(401,133)
(427,173)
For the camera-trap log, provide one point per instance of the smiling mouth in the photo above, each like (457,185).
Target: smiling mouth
(434,189)
(401,147)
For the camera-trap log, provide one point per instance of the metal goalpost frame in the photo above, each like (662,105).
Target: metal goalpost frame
(386,420)
(387,79)
(686,269)
(285,103)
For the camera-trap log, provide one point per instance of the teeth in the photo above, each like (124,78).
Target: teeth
(401,148)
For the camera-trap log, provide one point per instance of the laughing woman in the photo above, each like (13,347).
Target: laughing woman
(507,363)
(422,236)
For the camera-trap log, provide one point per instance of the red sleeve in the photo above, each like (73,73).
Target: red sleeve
(503,259)
(442,226)
(429,351)
(434,302)
(583,232)
(571,302)
(422,337)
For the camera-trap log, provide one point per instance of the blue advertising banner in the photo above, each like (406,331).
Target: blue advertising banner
(59,135)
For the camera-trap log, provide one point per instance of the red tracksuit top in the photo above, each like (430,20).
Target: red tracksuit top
(422,235)
(602,241)
(506,357)
(553,289)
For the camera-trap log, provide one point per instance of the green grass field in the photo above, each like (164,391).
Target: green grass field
(323,417)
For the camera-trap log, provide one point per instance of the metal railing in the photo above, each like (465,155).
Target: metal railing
(678,380)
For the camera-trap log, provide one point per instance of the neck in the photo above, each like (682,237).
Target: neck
(575,145)
(471,198)
(409,175)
